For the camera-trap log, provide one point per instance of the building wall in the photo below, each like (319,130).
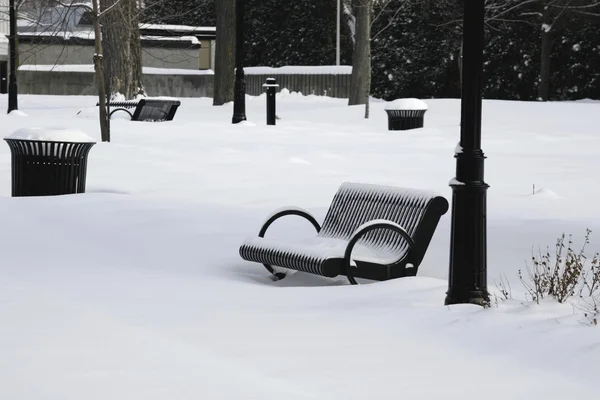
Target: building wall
(53,54)
(159,57)
(4,29)
(206,50)
(44,54)
(3,48)
(4,17)
(83,83)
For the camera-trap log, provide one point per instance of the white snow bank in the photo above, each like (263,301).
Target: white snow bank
(199,185)
(406,104)
(51,134)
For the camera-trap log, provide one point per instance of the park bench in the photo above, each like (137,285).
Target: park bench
(369,231)
(146,109)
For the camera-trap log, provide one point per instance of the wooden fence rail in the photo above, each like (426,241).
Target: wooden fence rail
(332,85)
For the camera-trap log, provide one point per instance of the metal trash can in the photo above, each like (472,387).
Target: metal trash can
(405,114)
(48,162)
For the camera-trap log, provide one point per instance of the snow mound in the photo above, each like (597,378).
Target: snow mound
(406,104)
(52,134)
(298,160)
(18,113)
(546,193)
(246,123)
(287,94)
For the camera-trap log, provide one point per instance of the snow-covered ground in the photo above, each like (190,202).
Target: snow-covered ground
(135,289)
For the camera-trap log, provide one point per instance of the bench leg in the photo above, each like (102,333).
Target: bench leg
(363,230)
(119,109)
(277,274)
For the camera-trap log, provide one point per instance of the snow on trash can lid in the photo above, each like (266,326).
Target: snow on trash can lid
(406,104)
(51,135)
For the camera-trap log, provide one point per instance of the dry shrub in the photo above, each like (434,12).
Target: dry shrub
(565,274)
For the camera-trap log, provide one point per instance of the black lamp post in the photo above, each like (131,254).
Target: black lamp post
(239,94)
(12,80)
(468,253)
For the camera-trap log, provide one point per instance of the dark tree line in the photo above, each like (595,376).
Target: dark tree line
(535,49)
(277,32)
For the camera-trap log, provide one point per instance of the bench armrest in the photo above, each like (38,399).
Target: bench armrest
(366,228)
(288,211)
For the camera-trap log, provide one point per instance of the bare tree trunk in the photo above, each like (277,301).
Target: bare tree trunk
(224,52)
(99,67)
(137,78)
(544,83)
(122,47)
(360,81)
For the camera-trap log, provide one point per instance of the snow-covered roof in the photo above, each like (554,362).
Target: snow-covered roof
(90,68)
(83,34)
(300,69)
(88,34)
(178,28)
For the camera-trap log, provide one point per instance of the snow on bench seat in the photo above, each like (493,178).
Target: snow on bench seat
(316,255)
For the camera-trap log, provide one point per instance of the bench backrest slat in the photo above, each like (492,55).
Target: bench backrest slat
(155,110)
(417,211)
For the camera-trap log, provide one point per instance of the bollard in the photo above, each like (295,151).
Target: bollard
(271,86)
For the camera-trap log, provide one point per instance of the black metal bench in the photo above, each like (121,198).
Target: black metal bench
(147,109)
(370,231)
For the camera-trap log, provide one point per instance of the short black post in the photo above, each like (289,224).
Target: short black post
(12,80)
(468,253)
(271,86)
(239,90)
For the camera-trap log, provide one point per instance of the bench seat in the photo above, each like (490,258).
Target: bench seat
(316,255)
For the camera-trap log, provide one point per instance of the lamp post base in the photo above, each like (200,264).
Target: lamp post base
(239,101)
(12,95)
(239,89)
(12,80)
(478,297)
(468,239)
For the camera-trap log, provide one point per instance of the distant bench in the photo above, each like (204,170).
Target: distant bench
(147,109)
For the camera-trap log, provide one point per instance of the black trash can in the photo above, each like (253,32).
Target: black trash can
(46,168)
(405,114)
